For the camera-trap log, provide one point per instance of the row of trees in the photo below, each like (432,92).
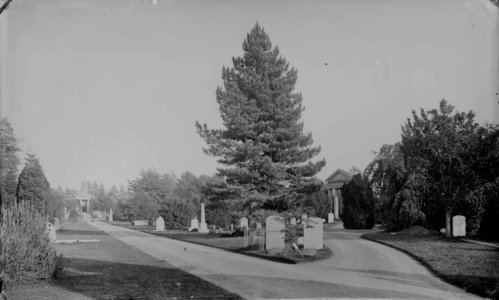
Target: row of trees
(445,164)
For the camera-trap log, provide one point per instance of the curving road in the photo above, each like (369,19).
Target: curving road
(357,269)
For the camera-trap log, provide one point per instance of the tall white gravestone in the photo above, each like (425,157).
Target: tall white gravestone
(274,233)
(57,224)
(313,231)
(110,215)
(459,225)
(194,224)
(203,227)
(160,224)
(51,232)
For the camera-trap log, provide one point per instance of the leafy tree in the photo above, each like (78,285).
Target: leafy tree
(397,191)
(158,187)
(55,203)
(177,215)
(441,145)
(142,206)
(358,209)
(263,148)
(33,186)
(8,162)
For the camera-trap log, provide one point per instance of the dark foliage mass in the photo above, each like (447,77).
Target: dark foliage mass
(445,164)
(177,215)
(358,201)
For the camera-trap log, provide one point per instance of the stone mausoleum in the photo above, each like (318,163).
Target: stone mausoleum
(333,185)
(84,197)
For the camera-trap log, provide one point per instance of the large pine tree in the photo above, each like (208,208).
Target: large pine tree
(263,148)
(8,162)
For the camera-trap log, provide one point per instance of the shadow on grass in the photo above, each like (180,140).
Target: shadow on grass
(436,261)
(112,280)
(80,232)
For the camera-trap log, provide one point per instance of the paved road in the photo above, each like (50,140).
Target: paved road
(358,269)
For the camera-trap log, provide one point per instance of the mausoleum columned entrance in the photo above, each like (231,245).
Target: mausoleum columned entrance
(333,186)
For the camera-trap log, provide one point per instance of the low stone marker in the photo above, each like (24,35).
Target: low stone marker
(140,223)
(274,233)
(292,221)
(243,222)
(57,224)
(313,234)
(330,218)
(51,232)
(300,240)
(459,225)
(303,217)
(160,224)
(194,224)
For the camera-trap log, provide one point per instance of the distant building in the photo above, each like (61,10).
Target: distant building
(84,197)
(333,185)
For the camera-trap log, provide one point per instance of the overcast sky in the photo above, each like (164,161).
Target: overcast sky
(100,90)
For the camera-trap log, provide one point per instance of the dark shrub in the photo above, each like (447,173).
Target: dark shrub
(358,204)
(177,215)
(490,218)
(218,216)
(25,250)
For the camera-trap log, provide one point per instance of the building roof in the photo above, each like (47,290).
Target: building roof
(338,179)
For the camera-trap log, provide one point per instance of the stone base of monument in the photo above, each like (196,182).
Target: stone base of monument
(203,228)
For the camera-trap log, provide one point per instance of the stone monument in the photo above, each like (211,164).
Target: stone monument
(274,233)
(203,227)
(160,224)
(459,226)
(110,215)
(330,218)
(194,224)
(51,232)
(313,231)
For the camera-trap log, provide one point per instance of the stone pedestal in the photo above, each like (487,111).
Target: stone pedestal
(110,215)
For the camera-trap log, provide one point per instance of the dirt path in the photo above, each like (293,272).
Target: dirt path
(357,269)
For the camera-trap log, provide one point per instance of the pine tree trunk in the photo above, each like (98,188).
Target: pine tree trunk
(448,213)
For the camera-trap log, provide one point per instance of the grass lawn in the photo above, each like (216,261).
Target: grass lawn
(472,267)
(111,269)
(233,244)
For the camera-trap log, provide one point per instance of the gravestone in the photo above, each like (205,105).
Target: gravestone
(194,224)
(300,240)
(330,218)
(203,227)
(51,232)
(274,233)
(160,224)
(303,217)
(57,224)
(313,231)
(243,222)
(292,221)
(140,223)
(459,225)
(231,227)
(110,215)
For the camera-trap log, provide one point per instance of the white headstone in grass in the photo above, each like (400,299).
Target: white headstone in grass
(303,217)
(57,224)
(194,224)
(243,222)
(292,221)
(110,215)
(274,233)
(160,224)
(459,226)
(51,232)
(330,218)
(313,231)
